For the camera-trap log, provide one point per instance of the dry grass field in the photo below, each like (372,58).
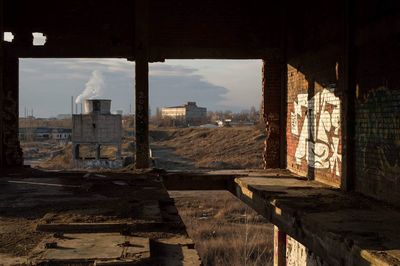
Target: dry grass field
(225,231)
(217,148)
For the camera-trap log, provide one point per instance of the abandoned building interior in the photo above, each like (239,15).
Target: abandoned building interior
(331,103)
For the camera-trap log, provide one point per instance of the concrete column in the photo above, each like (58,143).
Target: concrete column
(279,247)
(142,84)
(348,83)
(98,149)
(142,114)
(11,150)
(2,159)
(75,151)
(273,87)
(118,154)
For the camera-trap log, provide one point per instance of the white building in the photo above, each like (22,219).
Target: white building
(189,113)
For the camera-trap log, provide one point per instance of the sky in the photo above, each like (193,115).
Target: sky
(46,85)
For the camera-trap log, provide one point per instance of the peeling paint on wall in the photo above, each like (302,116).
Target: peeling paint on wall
(316,123)
(298,255)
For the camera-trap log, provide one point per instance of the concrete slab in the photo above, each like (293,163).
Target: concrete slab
(68,202)
(92,247)
(175,251)
(341,228)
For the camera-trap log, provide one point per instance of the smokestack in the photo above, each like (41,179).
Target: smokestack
(98,106)
(72,105)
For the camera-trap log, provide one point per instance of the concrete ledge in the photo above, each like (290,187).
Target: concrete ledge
(198,180)
(341,228)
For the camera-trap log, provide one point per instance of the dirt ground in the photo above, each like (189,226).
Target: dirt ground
(216,148)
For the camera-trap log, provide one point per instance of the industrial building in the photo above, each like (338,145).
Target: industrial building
(189,113)
(96,127)
(44,133)
(331,93)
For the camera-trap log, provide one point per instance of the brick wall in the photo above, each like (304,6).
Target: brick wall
(315,112)
(314,142)
(377,113)
(272,91)
(314,109)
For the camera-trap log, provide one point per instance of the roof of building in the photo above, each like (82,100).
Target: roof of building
(178,106)
(184,106)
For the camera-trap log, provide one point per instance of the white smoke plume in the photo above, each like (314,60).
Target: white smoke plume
(93,88)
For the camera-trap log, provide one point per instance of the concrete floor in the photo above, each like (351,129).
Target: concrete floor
(84,218)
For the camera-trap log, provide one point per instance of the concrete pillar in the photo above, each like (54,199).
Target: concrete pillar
(2,160)
(142,84)
(75,151)
(279,247)
(273,88)
(348,82)
(98,153)
(142,114)
(11,150)
(118,154)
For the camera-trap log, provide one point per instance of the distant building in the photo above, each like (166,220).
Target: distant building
(97,127)
(44,133)
(189,113)
(61,133)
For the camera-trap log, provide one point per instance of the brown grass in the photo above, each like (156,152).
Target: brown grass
(64,160)
(219,148)
(225,231)
(58,162)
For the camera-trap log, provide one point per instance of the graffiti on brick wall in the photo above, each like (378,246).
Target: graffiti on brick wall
(378,132)
(316,123)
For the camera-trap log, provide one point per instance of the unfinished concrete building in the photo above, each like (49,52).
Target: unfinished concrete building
(331,94)
(96,127)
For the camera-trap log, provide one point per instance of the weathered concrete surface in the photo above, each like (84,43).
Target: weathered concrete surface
(82,248)
(38,204)
(96,128)
(341,228)
(338,228)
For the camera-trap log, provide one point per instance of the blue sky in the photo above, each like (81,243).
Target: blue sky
(46,85)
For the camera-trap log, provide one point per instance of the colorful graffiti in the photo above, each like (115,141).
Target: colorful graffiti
(316,122)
